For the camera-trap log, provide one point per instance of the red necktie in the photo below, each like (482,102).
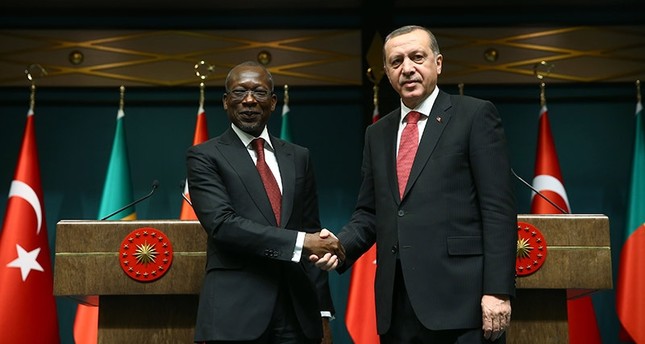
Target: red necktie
(270,184)
(407,149)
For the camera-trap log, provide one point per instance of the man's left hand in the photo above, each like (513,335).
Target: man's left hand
(496,315)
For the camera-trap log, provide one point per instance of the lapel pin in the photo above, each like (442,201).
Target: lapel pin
(438,119)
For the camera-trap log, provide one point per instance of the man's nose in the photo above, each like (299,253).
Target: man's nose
(248,97)
(408,66)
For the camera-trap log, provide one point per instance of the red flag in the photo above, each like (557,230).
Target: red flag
(548,177)
(360,316)
(630,285)
(27,304)
(583,327)
(201,135)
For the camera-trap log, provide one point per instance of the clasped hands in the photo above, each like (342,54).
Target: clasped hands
(324,249)
(496,316)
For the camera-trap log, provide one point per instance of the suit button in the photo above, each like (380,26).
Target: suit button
(401,213)
(395,248)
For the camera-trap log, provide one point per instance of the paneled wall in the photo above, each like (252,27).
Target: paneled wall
(592,127)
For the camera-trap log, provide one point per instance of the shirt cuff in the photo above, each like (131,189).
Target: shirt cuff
(297,251)
(326,314)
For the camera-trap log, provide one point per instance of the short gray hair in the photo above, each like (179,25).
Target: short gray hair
(434,46)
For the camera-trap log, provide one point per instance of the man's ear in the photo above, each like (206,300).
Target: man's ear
(439,62)
(274,101)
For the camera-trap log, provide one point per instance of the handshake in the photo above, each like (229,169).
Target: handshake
(324,249)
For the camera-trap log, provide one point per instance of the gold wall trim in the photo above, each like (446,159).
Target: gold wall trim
(317,57)
(167,58)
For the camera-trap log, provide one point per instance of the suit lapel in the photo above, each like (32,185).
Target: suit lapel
(437,120)
(240,160)
(389,135)
(286,161)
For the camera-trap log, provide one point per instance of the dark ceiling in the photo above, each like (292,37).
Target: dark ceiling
(376,9)
(309,14)
(304,4)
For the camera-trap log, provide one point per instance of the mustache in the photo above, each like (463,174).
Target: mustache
(408,80)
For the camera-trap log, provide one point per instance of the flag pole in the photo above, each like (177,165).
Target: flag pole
(375,81)
(201,94)
(372,78)
(202,76)
(121,97)
(285,128)
(30,77)
(542,70)
(286,95)
(638,91)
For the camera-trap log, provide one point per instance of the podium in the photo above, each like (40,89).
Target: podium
(87,268)
(578,263)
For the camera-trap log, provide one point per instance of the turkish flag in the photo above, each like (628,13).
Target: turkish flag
(27,303)
(201,135)
(583,328)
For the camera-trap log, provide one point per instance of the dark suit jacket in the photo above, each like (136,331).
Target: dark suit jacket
(248,257)
(455,230)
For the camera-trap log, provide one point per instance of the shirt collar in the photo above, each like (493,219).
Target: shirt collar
(246,138)
(424,108)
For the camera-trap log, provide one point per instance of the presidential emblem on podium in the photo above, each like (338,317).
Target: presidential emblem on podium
(145,254)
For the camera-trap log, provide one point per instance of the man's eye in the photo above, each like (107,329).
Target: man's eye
(261,93)
(418,58)
(395,63)
(239,93)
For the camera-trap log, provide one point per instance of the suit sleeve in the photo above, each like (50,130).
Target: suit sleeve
(490,165)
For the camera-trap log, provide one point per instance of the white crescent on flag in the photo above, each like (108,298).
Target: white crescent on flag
(24,191)
(551,183)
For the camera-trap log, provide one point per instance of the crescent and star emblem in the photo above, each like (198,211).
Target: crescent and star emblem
(26,260)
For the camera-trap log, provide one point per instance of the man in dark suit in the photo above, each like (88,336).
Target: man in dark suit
(256,288)
(445,231)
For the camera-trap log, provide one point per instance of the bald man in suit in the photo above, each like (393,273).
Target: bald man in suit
(257,289)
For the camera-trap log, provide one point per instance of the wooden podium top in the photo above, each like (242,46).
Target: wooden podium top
(87,256)
(578,253)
